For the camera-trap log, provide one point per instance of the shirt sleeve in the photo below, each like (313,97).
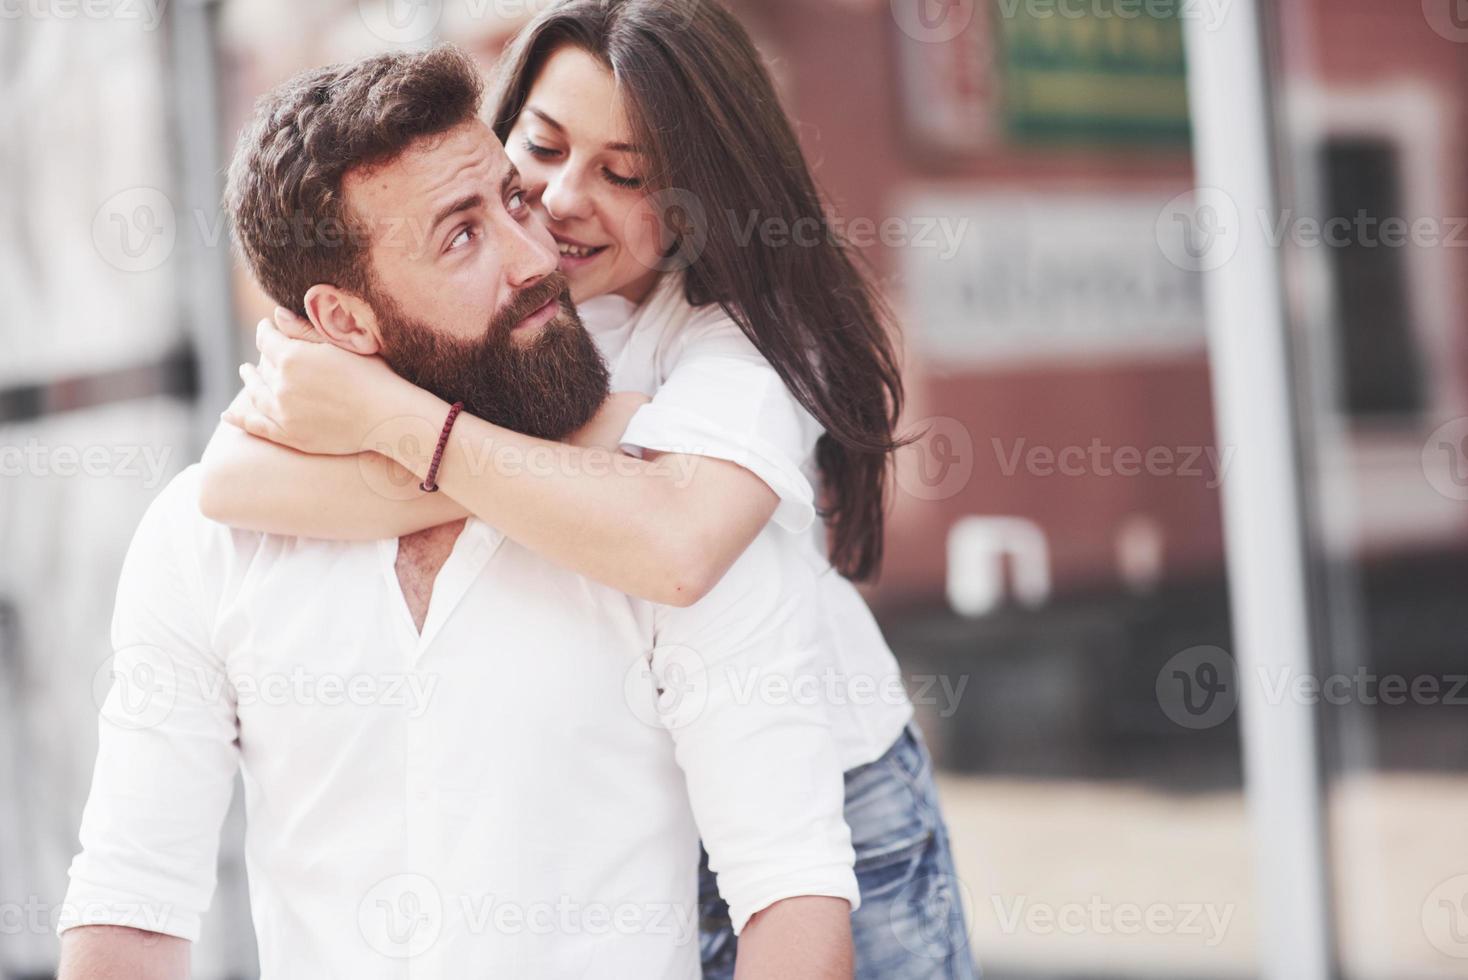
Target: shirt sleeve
(737,675)
(167,749)
(722,399)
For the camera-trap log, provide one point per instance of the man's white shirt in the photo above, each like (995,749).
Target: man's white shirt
(518,791)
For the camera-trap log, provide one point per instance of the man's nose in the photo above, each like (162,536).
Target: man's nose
(532,255)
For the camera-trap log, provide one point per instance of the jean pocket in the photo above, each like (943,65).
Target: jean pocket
(891,823)
(889,871)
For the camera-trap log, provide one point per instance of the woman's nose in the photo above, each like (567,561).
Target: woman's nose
(564,198)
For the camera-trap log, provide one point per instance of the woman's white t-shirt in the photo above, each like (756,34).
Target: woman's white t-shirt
(713,394)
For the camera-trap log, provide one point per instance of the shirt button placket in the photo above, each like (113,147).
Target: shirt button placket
(420,825)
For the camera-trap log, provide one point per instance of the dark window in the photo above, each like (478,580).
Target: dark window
(1380,365)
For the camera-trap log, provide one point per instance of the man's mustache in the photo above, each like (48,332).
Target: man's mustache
(527,301)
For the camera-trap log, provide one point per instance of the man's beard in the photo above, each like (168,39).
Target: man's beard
(547,387)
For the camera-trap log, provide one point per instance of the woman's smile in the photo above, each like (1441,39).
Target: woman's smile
(576,255)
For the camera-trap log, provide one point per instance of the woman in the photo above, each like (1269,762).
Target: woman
(650,140)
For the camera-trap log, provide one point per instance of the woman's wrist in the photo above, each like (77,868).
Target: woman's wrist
(410,433)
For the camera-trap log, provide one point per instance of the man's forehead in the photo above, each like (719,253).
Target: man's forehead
(430,169)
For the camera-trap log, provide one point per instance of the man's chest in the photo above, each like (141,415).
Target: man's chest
(420,557)
(328,659)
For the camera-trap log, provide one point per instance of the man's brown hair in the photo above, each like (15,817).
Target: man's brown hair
(284,191)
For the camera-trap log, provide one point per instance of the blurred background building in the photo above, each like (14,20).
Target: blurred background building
(1113,229)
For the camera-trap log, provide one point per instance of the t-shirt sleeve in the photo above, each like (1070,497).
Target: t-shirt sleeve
(722,399)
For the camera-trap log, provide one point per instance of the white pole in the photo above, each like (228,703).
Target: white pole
(1249,358)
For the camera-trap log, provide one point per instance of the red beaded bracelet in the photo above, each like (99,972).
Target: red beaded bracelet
(428,485)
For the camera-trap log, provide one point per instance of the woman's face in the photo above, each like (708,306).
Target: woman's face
(584,178)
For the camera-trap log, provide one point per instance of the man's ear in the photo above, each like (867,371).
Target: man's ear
(343,318)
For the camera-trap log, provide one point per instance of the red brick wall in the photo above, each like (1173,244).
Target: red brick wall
(838,62)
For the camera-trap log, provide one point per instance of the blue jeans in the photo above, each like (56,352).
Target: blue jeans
(911,923)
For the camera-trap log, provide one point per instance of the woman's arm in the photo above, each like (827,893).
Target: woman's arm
(255,484)
(258,485)
(664,529)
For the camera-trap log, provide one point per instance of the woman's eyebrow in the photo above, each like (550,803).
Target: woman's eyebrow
(546,119)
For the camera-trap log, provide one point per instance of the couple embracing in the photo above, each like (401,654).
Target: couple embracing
(602,778)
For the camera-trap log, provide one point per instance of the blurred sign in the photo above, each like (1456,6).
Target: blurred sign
(945,60)
(1053,275)
(1098,69)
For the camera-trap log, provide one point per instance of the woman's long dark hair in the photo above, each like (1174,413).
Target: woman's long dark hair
(707,117)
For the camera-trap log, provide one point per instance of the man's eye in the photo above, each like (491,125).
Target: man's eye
(516,201)
(464,236)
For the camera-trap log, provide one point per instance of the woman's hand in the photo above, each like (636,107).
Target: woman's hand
(312,397)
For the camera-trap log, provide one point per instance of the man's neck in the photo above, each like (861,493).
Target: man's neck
(420,556)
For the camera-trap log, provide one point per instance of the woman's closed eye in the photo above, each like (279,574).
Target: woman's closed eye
(608,174)
(540,152)
(619,180)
